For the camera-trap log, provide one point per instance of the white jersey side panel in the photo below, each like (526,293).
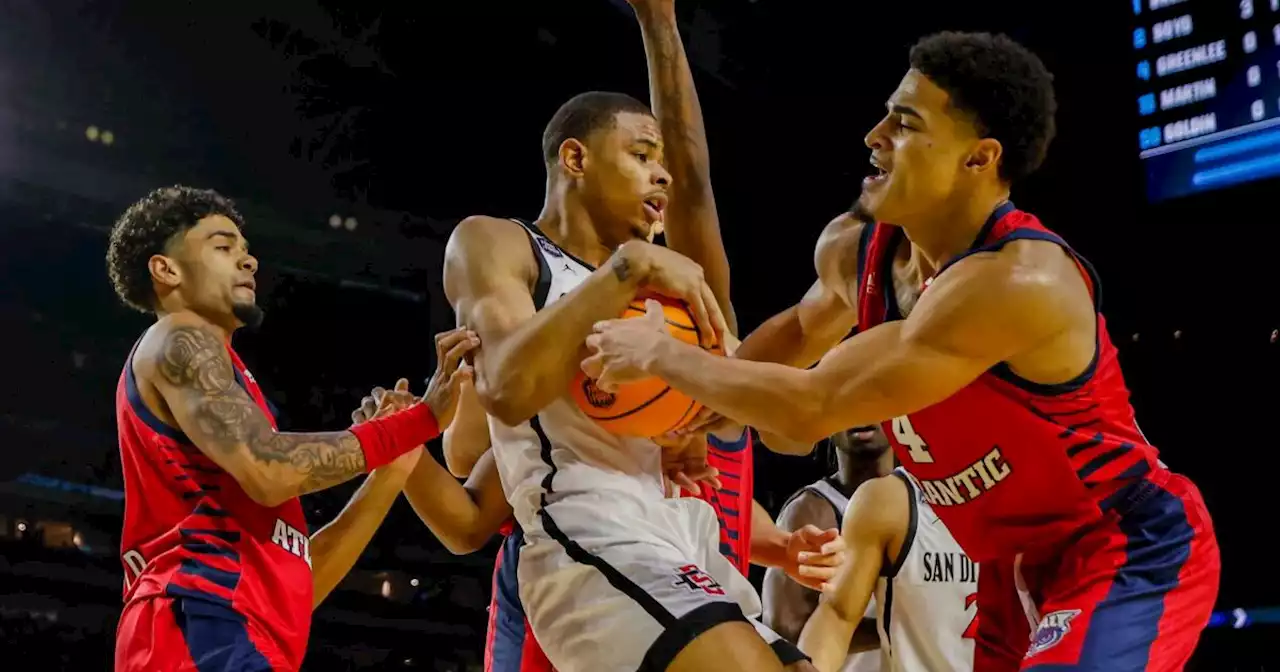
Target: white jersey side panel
(928,605)
(586,458)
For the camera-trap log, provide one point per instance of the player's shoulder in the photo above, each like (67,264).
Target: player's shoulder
(839,242)
(480,233)
(806,507)
(880,504)
(176,335)
(496,242)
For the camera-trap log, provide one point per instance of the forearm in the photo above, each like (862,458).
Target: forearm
(692,223)
(456,515)
(336,547)
(768,541)
(787,604)
(772,397)
(825,636)
(533,364)
(467,437)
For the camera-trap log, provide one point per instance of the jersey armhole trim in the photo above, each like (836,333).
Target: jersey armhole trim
(140,408)
(864,242)
(542,286)
(909,539)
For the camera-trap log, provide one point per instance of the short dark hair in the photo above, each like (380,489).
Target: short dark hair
(584,114)
(1005,88)
(145,230)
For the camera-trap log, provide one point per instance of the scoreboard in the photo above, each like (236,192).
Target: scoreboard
(1208,93)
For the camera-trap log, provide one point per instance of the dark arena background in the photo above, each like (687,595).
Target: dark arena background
(354,136)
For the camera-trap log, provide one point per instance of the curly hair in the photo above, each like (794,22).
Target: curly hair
(147,228)
(583,114)
(1004,87)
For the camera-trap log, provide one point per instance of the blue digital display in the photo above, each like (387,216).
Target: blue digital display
(1207,90)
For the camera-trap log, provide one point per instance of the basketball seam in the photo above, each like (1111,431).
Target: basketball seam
(637,409)
(677,325)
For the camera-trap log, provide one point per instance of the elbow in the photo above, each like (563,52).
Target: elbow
(464,544)
(507,400)
(265,492)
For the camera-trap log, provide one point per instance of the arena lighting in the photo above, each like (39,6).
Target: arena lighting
(413,582)
(350,223)
(107,137)
(91,134)
(335,221)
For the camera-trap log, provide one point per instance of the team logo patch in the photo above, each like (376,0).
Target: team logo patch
(597,397)
(549,247)
(1052,629)
(696,580)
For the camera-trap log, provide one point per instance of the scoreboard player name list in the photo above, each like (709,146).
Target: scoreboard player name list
(1172,26)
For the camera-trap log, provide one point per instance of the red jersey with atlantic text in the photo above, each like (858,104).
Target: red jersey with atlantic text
(192,534)
(1008,464)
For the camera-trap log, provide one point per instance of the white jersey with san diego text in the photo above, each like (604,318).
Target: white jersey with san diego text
(927,600)
(610,565)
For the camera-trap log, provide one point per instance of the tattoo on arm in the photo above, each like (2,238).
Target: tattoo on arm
(223,417)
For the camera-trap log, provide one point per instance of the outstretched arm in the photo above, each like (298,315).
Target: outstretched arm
(985,310)
(878,511)
(468,435)
(464,518)
(691,222)
(188,364)
(336,547)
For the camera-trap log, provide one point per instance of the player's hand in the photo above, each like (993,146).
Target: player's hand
(814,556)
(684,462)
(382,402)
(622,349)
(674,275)
(451,372)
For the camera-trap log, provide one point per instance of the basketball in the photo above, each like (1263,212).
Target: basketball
(649,407)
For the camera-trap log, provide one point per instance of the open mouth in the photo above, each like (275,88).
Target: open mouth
(654,205)
(878,173)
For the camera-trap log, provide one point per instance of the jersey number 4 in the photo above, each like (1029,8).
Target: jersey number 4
(914,443)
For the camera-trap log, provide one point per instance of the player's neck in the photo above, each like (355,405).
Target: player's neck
(568,225)
(224,327)
(851,472)
(950,231)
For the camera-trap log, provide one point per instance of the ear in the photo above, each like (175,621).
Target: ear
(985,156)
(165,270)
(573,157)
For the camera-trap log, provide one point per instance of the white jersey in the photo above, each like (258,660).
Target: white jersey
(613,576)
(867,661)
(927,598)
(585,457)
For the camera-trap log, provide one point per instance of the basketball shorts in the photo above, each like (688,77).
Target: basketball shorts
(182,634)
(509,642)
(614,583)
(1132,594)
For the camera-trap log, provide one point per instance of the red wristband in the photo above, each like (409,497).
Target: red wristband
(386,438)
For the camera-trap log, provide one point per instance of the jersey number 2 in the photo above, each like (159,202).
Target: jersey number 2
(971,632)
(915,444)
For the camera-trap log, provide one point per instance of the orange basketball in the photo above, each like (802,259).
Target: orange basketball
(649,407)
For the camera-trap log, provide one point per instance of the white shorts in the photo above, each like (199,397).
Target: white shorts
(614,583)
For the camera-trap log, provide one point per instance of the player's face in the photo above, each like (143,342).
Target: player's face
(218,271)
(921,153)
(624,182)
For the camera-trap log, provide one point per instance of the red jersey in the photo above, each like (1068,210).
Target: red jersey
(192,534)
(733,501)
(1008,464)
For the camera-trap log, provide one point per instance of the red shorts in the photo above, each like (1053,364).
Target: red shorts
(1130,595)
(177,634)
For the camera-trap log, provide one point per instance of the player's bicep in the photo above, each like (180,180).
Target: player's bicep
(825,318)
(190,368)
